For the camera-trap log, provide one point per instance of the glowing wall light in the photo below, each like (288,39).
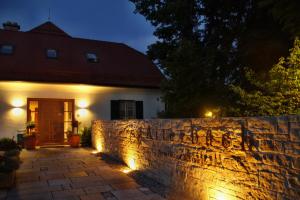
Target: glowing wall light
(99,147)
(17,112)
(17,102)
(208,114)
(82,112)
(132,164)
(83,103)
(223,194)
(126,170)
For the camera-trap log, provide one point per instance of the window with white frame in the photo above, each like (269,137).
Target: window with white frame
(92,57)
(6,49)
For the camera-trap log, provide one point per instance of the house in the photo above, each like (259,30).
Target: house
(54,79)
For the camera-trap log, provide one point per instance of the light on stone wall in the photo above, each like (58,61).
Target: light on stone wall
(209,114)
(221,195)
(99,147)
(126,170)
(132,164)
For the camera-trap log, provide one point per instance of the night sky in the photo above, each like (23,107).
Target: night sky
(109,20)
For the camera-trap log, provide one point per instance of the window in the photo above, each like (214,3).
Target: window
(6,49)
(91,57)
(126,109)
(51,53)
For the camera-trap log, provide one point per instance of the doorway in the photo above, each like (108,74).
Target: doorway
(53,119)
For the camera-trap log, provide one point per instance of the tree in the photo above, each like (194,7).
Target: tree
(279,95)
(203,46)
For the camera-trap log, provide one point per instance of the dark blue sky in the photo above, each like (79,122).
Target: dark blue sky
(110,20)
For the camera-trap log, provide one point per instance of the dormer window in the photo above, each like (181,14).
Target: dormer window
(6,49)
(92,57)
(51,53)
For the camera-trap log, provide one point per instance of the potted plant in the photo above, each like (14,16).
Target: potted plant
(30,137)
(74,137)
(9,162)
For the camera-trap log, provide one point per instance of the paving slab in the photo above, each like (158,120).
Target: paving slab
(72,174)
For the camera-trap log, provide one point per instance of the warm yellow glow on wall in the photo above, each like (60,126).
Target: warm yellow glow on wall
(82,112)
(17,102)
(126,170)
(221,193)
(99,147)
(83,103)
(131,163)
(208,114)
(16,112)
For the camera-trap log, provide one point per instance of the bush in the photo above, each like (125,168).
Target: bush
(7,144)
(86,137)
(9,163)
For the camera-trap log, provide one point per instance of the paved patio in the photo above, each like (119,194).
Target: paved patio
(66,173)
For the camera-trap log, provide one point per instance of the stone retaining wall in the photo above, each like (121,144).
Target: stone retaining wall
(227,158)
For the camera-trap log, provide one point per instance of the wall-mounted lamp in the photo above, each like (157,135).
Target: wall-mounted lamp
(17,111)
(83,103)
(208,114)
(17,102)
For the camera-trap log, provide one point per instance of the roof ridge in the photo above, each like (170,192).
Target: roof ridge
(49,28)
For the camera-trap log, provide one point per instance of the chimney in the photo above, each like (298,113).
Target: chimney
(11,26)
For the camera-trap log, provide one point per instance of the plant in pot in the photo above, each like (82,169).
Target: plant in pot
(9,162)
(30,137)
(74,137)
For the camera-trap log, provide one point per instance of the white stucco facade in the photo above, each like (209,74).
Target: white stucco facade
(91,102)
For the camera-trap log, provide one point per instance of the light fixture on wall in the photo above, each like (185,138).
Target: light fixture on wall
(83,103)
(17,102)
(132,163)
(208,114)
(17,111)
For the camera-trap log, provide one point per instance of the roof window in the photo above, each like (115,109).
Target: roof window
(51,53)
(92,57)
(6,49)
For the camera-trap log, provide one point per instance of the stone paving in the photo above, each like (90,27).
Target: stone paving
(67,173)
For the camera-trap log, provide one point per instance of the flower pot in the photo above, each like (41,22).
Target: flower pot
(74,140)
(30,142)
(7,180)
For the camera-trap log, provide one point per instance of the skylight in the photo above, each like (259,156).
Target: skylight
(6,49)
(92,57)
(51,53)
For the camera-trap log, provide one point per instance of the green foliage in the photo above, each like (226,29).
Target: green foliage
(9,163)
(203,46)
(286,12)
(9,160)
(278,95)
(86,137)
(7,144)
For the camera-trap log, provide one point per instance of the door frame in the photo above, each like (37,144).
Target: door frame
(50,99)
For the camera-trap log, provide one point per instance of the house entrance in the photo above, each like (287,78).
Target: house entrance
(53,119)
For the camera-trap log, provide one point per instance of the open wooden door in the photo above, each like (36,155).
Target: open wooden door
(51,122)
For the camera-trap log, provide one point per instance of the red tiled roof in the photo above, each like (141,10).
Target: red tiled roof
(119,65)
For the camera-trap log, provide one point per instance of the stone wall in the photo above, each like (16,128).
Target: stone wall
(227,158)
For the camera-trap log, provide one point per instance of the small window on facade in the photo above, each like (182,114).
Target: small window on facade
(126,109)
(6,49)
(51,53)
(92,57)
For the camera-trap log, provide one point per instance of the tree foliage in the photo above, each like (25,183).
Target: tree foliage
(279,94)
(203,46)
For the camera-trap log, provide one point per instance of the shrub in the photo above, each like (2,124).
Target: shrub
(9,163)
(86,137)
(7,144)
